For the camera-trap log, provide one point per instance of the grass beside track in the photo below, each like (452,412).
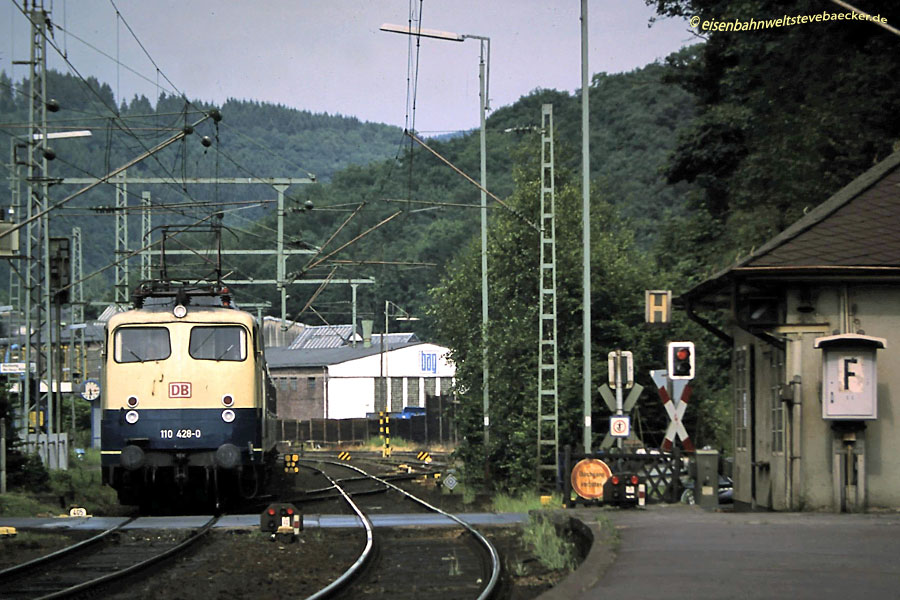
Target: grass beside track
(81,485)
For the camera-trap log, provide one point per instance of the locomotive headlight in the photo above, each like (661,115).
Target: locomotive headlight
(228,400)
(132,401)
(131,417)
(228,415)
(179,311)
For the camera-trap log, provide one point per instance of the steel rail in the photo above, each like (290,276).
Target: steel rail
(403,477)
(322,496)
(16,569)
(489,588)
(93,583)
(364,557)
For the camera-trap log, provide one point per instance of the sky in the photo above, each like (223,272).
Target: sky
(330,56)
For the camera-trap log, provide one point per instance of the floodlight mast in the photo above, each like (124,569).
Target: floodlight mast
(429,33)
(59,135)
(484,102)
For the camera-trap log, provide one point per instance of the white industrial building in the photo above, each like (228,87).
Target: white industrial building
(352,381)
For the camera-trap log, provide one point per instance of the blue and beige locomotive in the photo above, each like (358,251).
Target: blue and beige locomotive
(188,407)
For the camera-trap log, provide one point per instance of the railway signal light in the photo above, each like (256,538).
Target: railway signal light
(624,491)
(290,463)
(680,360)
(281,519)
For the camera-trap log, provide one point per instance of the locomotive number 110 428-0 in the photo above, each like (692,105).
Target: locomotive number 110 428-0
(185,434)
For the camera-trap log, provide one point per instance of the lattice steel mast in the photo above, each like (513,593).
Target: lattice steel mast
(548,372)
(37,246)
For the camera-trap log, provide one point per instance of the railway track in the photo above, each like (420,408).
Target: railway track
(93,563)
(435,459)
(446,563)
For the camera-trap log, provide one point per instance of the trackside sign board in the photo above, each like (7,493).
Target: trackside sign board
(588,477)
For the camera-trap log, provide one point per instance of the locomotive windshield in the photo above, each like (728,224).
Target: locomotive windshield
(140,344)
(222,342)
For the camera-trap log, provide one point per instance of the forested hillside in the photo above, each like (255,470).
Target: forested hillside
(635,117)
(253,140)
(635,114)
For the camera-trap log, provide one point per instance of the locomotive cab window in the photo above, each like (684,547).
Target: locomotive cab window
(222,342)
(141,344)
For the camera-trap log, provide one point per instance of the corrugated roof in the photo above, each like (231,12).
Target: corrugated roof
(321,357)
(108,312)
(336,336)
(322,336)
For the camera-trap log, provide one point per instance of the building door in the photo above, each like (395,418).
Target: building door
(768,436)
(744,450)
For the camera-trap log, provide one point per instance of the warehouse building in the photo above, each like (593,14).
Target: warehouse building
(347,381)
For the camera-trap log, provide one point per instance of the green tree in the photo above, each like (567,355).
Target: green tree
(786,115)
(620,273)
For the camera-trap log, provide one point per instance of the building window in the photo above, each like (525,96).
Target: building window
(741,397)
(293,384)
(776,368)
(311,385)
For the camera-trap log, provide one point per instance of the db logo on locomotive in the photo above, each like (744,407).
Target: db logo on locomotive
(179,390)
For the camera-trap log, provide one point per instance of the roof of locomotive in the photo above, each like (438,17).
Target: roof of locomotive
(162,313)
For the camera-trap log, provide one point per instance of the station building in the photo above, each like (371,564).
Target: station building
(813,320)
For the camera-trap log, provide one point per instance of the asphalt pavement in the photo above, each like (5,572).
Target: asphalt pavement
(672,552)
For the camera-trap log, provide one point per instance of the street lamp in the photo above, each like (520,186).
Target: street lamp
(484,70)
